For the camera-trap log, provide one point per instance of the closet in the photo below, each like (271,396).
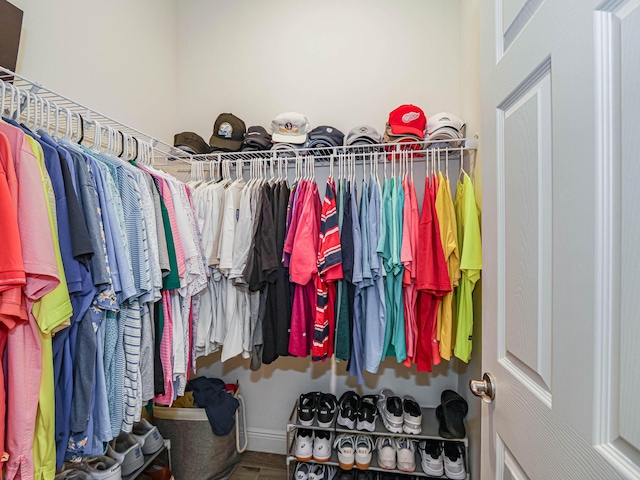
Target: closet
(556,113)
(256,63)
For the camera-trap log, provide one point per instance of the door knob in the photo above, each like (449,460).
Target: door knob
(485,388)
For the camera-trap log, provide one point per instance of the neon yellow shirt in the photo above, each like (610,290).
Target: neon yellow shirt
(449,237)
(470,245)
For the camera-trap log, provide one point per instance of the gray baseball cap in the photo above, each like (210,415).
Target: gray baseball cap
(362,135)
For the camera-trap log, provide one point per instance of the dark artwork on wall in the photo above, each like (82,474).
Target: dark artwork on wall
(10,27)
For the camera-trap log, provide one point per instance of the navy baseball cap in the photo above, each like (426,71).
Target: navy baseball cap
(257,138)
(325,136)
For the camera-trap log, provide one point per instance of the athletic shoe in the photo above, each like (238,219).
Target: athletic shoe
(99,468)
(412,416)
(364,450)
(390,408)
(431,457)
(348,409)
(327,405)
(387,447)
(128,453)
(387,476)
(304,444)
(366,475)
(322,472)
(322,446)
(73,474)
(346,474)
(302,471)
(454,461)
(406,455)
(147,436)
(367,413)
(345,445)
(307,407)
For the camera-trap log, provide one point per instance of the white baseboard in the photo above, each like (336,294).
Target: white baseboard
(267,440)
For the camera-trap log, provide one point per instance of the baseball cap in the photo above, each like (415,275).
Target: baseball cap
(444,120)
(408,119)
(363,135)
(190,142)
(325,136)
(257,138)
(290,127)
(389,137)
(228,133)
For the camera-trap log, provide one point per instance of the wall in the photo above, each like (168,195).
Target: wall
(341,64)
(471,112)
(117,57)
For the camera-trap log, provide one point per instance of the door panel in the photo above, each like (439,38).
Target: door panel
(561,328)
(515,16)
(525,143)
(509,466)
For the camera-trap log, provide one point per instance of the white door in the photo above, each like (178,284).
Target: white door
(561,233)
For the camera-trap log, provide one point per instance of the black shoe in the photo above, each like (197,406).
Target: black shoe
(454,461)
(345,474)
(327,405)
(307,407)
(367,413)
(348,405)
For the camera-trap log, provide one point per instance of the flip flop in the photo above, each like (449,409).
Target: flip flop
(454,409)
(442,429)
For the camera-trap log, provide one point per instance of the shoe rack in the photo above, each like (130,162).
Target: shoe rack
(429,432)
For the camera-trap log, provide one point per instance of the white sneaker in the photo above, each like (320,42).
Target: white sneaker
(304,444)
(99,468)
(302,471)
(364,451)
(431,457)
(412,416)
(454,461)
(322,446)
(406,455)
(345,445)
(147,436)
(387,447)
(127,453)
(390,408)
(73,474)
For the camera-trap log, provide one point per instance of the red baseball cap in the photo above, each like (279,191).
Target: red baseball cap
(408,119)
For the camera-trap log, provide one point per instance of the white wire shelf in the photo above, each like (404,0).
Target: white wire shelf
(34,100)
(416,150)
(79,117)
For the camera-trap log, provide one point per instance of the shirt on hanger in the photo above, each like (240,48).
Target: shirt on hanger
(449,238)
(470,244)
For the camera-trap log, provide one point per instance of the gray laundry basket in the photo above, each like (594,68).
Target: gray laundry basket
(196,452)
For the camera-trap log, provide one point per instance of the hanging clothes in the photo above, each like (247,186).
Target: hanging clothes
(470,244)
(449,238)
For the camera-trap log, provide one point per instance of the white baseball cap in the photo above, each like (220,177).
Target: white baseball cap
(290,127)
(444,119)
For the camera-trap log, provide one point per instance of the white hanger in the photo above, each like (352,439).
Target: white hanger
(2,97)
(97,136)
(446,164)
(68,126)
(460,175)
(412,167)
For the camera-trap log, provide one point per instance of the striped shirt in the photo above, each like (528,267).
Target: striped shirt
(329,270)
